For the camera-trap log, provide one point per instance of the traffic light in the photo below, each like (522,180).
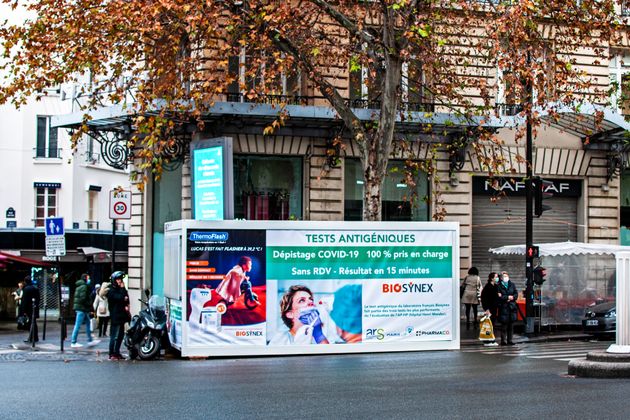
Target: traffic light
(539,275)
(541,188)
(532,251)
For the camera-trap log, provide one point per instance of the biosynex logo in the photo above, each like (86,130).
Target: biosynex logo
(208,237)
(242,333)
(410,287)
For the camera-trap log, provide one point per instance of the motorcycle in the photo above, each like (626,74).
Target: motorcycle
(147,331)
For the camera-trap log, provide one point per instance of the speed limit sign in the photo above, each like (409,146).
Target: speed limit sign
(119,204)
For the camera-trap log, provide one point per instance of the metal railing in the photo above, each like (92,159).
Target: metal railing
(503,109)
(91,224)
(46,153)
(92,158)
(509,109)
(310,100)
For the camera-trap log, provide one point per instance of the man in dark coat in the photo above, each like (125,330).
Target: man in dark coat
(118,300)
(507,294)
(83,307)
(30,301)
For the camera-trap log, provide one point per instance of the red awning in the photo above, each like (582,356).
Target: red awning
(5,257)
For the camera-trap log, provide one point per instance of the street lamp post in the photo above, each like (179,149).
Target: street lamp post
(529,221)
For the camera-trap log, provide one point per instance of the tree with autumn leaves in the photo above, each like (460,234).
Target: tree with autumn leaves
(442,56)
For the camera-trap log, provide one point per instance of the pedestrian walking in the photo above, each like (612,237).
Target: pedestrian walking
(29,308)
(17,297)
(83,307)
(490,301)
(471,286)
(507,295)
(101,308)
(118,300)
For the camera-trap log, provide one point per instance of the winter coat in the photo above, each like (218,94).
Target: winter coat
(101,306)
(507,309)
(472,290)
(82,301)
(490,299)
(26,306)
(118,300)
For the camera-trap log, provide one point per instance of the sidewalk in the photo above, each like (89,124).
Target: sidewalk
(471,337)
(12,338)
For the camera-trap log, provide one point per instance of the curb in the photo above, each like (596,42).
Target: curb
(600,364)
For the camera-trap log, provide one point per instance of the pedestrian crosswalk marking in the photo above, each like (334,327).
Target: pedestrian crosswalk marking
(562,351)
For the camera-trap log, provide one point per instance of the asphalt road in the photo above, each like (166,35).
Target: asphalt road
(400,385)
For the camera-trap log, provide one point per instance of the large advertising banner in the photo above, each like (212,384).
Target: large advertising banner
(360,286)
(276,288)
(225,287)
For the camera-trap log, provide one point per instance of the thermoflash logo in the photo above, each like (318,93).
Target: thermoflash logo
(209,236)
(408,287)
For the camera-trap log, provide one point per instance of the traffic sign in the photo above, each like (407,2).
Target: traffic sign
(54,226)
(55,246)
(119,204)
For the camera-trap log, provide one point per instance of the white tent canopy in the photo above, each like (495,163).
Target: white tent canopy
(563,248)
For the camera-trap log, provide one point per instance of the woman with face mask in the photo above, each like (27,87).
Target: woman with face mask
(507,295)
(490,300)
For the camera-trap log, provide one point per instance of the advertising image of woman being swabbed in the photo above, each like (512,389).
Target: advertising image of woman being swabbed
(326,315)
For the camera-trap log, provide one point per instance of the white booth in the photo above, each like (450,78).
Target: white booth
(278,287)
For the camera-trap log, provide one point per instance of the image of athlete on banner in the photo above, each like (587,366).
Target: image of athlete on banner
(226,288)
(330,316)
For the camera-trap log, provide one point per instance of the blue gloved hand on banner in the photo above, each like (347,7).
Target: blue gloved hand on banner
(311,318)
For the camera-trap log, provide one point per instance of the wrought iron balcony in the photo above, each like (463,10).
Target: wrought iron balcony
(310,100)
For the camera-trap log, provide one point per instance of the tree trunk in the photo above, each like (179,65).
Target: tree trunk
(379,141)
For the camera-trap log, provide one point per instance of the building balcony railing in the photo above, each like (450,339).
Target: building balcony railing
(509,109)
(310,100)
(91,225)
(92,158)
(46,153)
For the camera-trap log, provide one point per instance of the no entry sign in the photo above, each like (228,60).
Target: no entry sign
(119,204)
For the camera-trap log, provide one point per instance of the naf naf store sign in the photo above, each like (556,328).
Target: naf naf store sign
(515,187)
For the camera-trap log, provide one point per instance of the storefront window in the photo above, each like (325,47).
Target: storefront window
(167,207)
(397,201)
(267,188)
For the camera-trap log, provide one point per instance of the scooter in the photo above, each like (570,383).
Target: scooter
(147,331)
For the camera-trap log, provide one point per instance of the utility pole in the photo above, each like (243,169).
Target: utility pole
(529,220)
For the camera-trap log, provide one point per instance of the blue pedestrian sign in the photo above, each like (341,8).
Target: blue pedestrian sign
(54,226)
